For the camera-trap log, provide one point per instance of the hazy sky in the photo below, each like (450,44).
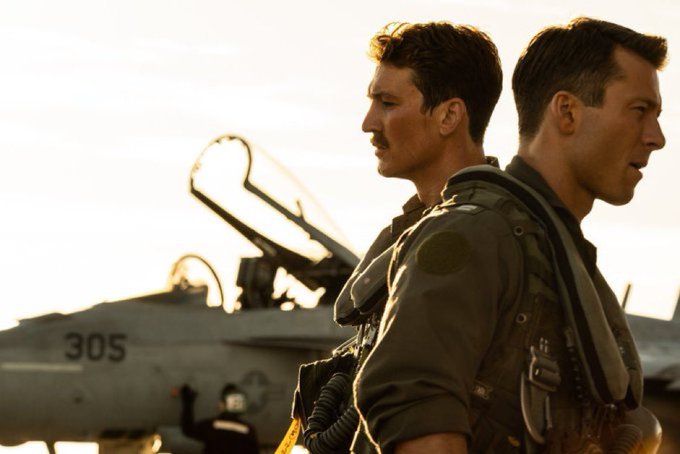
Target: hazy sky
(105,105)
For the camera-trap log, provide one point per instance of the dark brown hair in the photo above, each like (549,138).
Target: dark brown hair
(448,61)
(578,58)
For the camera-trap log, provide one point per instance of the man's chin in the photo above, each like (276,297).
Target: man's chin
(385,171)
(619,199)
(388,169)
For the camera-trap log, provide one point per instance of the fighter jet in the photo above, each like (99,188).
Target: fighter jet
(108,374)
(658,343)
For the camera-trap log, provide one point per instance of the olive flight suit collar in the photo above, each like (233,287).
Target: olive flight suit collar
(412,211)
(519,169)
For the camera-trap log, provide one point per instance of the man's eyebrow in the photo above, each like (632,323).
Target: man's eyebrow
(379,94)
(373,94)
(652,103)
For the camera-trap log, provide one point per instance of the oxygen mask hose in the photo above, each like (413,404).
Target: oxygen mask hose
(627,440)
(326,432)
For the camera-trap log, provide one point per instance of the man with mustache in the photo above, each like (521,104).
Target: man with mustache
(433,92)
(500,334)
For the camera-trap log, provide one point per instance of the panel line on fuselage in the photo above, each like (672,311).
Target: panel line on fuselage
(41,367)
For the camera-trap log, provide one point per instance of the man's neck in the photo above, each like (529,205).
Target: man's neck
(430,181)
(548,161)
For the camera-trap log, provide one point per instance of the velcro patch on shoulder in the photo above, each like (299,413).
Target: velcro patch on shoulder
(443,253)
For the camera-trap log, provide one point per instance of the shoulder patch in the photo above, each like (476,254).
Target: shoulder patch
(443,253)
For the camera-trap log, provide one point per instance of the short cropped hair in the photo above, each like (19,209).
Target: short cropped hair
(578,58)
(448,61)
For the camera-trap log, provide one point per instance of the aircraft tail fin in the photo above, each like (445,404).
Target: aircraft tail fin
(676,313)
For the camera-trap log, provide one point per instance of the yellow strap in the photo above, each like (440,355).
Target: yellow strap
(286,445)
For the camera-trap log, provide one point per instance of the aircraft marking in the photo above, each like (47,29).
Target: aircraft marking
(95,346)
(41,367)
(256,385)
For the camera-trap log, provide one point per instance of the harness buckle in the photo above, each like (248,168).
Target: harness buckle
(544,372)
(536,384)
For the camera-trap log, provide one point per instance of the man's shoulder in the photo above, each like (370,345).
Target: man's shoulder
(469,218)
(450,237)
(412,213)
(381,242)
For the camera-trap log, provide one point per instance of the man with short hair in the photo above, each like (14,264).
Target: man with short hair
(432,95)
(500,334)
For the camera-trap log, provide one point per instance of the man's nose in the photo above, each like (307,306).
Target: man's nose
(654,138)
(371,122)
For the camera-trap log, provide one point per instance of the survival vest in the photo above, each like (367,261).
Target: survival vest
(562,358)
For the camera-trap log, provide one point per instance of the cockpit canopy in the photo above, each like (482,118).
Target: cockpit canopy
(247,182)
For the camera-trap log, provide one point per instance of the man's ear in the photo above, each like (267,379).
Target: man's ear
(565,112)
(451,115)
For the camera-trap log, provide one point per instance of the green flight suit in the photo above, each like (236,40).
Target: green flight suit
(456,282)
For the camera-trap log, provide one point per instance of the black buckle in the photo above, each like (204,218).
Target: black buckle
(544,371)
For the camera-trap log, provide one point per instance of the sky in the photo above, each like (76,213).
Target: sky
(105,105)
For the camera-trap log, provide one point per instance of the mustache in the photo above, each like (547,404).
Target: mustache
(379,140)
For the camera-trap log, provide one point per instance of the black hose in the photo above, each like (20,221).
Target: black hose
(328,431)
